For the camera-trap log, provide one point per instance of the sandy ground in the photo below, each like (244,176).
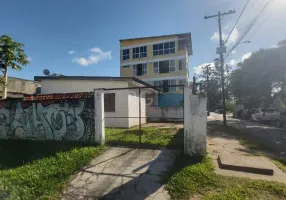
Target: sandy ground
(219,142)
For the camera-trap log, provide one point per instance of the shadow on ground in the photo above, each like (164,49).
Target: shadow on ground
(128,173)
(15,153)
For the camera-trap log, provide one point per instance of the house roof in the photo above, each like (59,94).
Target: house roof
(100,78)
(177,34)
(187,35)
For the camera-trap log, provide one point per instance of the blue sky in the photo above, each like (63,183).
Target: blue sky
(82,37)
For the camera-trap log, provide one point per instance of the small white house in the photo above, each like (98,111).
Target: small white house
(121,105)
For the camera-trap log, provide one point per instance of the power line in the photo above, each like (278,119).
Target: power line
(263,21)
(236,21)
(247,30)
(260,23)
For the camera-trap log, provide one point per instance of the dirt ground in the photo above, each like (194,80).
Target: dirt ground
(220,142)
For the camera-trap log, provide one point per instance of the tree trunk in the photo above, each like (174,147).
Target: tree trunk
(4,94)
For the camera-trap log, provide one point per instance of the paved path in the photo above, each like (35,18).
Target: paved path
(123,173)
(269,135)
(222,143)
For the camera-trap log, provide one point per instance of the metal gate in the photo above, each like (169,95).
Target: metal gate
(133,108)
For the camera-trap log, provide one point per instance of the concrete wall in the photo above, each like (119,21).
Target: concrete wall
(17,87)
(68,86)
(157,114)
(195,123)
(133,104)
(71,119)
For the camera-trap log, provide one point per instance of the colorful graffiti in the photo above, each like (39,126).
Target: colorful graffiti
(52,120)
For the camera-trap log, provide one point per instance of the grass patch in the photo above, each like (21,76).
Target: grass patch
(162,137)
(196,178)
(46,175)
(281,164)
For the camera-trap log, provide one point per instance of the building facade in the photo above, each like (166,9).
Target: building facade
(121,107)
(159,61)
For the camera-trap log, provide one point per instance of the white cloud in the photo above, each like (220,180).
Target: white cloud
(29,58)
(71,52)
(96,55)
(231,40)
(246,56)
(234,36)
(233,52)
(215,36)
(233,62)
(198,70)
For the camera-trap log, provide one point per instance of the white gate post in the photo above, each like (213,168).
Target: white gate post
(99,130)
(195,123)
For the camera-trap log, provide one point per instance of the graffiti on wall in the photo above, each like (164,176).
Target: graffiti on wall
(52,120)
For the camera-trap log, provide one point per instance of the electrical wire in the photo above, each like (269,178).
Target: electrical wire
(236,21)
(247,30)
(262,21)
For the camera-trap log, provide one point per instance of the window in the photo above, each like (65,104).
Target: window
(134,70)
(139,69)
(140,52)
(163,48)
(181,64)
(172,66)
(172,82)
(125,54)
(109,102)
(126,66)
(157,83)
(182,82)
(155,67)
(144,69)
(182,44)
(165,66)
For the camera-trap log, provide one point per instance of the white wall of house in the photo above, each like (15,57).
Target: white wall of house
(155,114)
(133,104)
(121,110)
(126,101)
(68,86)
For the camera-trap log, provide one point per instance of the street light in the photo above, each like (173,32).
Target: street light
(245,42)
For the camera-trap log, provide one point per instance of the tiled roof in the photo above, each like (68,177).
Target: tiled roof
(59,96)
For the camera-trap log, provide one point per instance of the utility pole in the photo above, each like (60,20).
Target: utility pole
(221,50)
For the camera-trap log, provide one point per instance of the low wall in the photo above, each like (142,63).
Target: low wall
(59,119)
(167,114)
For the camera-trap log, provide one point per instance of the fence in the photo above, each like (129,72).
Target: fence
(133,107)
(82,116)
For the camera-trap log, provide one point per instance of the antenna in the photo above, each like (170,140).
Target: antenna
(46,72)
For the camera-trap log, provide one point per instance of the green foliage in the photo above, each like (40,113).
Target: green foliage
(281,164)
(45,177)
(11,55)
(199,179)
(229,105)
(258,78)
(162,137)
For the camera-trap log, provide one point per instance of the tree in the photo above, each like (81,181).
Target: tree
(11,55)
(260,77)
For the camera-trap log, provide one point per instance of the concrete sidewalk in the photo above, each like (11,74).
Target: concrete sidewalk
(221,143)
(123,173)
